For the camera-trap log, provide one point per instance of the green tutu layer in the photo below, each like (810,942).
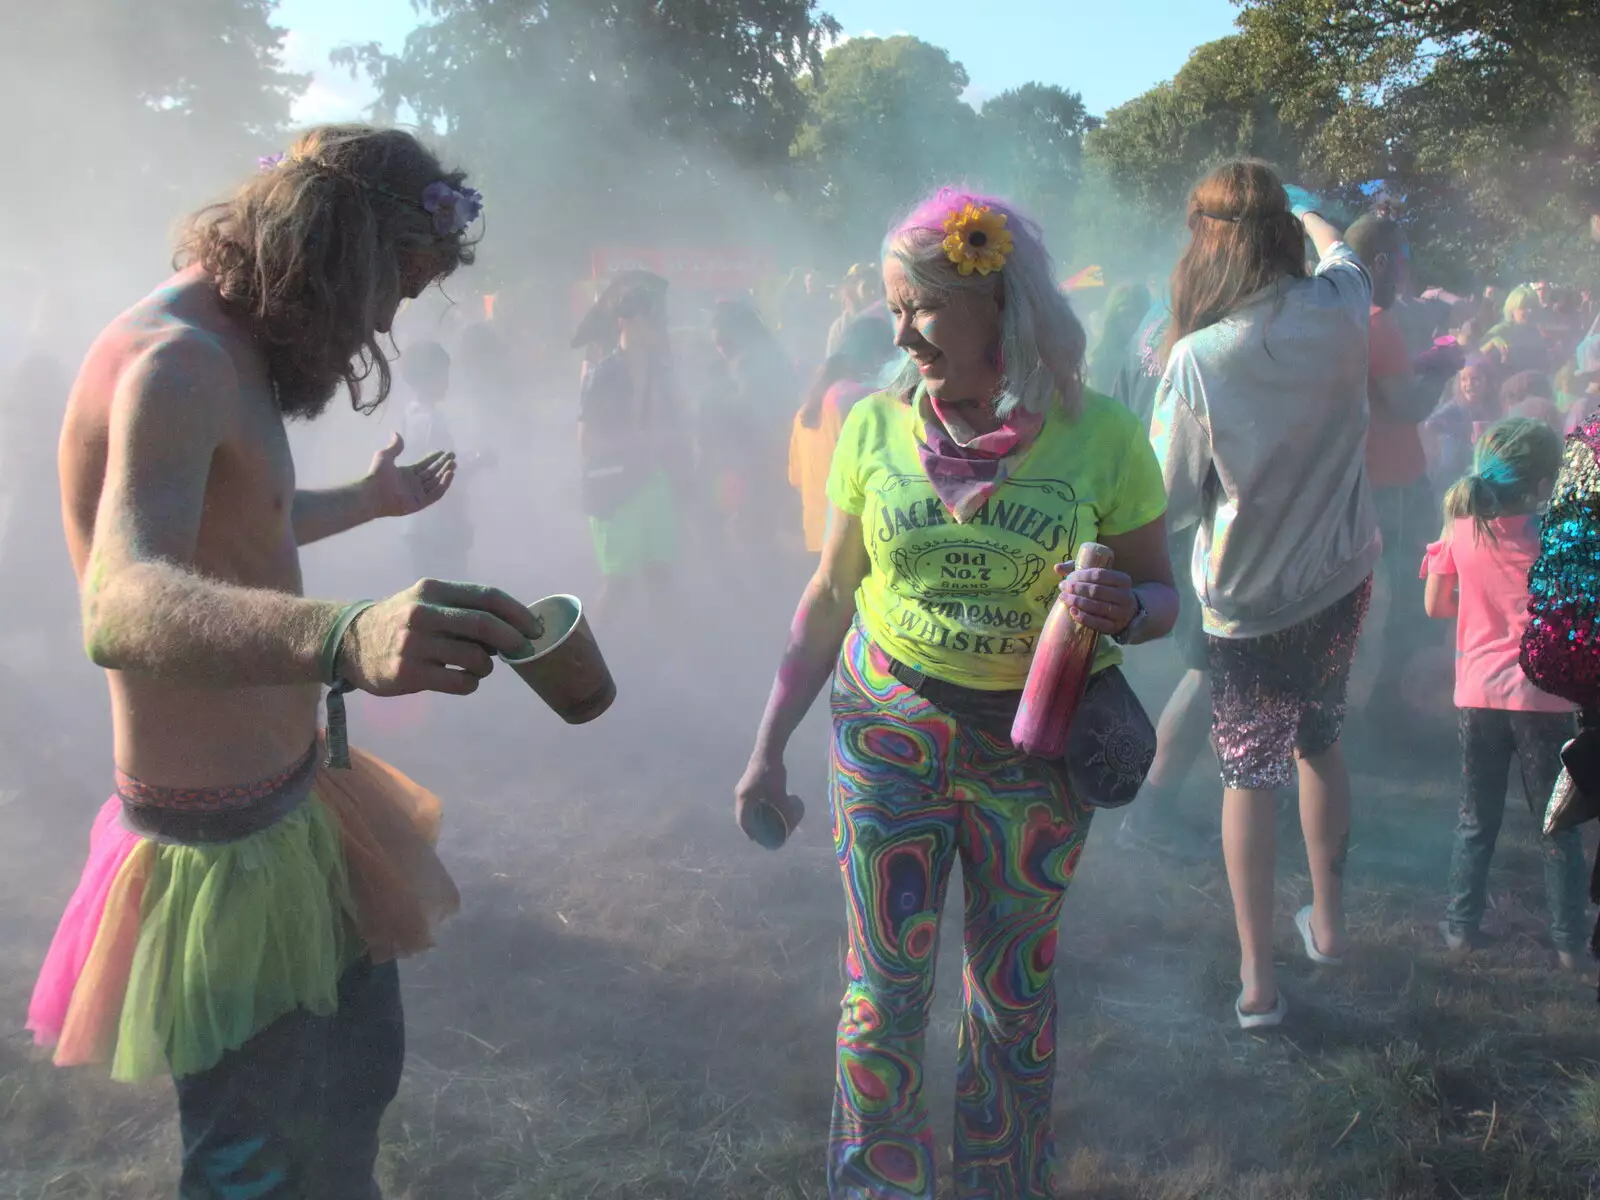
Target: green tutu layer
(232,937)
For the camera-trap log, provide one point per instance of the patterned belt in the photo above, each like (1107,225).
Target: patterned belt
(182,816)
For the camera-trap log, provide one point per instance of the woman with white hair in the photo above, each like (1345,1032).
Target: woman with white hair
(958,499)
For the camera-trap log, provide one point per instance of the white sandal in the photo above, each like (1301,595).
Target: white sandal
(1270,1019)
(1302,922)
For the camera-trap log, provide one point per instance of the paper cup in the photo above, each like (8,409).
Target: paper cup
(565,666)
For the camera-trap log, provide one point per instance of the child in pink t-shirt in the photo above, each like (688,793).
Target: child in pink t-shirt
(1478,574)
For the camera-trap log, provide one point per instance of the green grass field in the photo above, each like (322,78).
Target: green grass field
(635,1002)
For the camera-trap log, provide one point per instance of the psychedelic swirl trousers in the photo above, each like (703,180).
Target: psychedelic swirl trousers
(912,789)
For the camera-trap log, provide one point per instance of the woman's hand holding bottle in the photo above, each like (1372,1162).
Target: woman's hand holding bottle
(1100,599)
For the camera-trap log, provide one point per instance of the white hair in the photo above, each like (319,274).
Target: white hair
(1042,343)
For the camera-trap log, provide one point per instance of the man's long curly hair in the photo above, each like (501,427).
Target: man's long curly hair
(312,249)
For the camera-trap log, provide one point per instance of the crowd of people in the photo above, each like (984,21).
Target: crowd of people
(1294,458)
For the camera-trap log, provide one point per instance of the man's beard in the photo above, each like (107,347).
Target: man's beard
(304,396)
(305,401)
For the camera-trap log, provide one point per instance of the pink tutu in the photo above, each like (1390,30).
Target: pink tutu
(111,845)
(169,955)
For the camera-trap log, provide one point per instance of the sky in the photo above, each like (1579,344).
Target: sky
(1109,50)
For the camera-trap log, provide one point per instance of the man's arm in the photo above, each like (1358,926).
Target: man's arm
(325,512)
(387,490)
(1406,395)
(145,608)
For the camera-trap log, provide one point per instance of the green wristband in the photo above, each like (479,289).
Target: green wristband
(335,640)
(338,728)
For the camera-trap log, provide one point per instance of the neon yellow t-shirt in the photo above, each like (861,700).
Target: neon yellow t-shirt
(965,602)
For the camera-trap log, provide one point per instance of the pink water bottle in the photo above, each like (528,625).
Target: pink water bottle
(1062,663)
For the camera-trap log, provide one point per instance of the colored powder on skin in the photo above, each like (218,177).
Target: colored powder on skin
(791,671)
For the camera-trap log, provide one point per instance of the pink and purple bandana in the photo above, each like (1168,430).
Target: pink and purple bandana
(967,467)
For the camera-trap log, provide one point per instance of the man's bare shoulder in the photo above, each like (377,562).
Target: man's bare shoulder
(164,354)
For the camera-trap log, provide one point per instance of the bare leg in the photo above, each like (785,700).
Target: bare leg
(1182,735)
(1250,848)
(1325,821)
(1183,732)
(1370,649)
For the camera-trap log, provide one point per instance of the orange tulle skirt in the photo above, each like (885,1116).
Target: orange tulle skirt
(170,955)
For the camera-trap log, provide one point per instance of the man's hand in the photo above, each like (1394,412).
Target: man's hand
(434,637)
(398,491)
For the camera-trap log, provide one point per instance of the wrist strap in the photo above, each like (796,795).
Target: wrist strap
(338,758)
(1139,611)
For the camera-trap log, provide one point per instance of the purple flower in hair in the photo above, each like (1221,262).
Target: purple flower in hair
(452,210)
(270,162)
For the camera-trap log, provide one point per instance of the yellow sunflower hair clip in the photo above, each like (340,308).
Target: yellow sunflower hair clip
(976,239)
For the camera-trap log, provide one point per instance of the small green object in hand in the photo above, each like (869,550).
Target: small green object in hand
(770,829)
(772,825)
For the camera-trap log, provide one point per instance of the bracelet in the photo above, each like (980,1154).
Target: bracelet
(334,642)
(338,758)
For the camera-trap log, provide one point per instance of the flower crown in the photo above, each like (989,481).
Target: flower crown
(976,239)
(452,209)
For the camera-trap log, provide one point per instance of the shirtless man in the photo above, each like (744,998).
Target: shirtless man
(260,993)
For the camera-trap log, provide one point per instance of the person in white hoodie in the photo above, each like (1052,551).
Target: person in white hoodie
(1261,421)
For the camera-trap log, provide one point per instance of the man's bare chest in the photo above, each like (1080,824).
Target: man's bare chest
(247,528)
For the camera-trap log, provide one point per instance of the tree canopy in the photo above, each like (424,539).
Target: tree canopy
(1482,116)
(146,107)
(702,122)
(886,121)
(1032,140)
(631,114)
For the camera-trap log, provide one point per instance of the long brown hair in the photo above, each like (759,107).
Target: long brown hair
(308,250)
(865,348)
(1243,238)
